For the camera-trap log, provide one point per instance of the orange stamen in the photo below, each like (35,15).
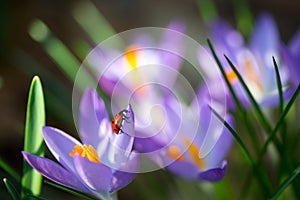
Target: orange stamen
(86,152)
(131,56)
(194,152)
(174,153)
(232,77)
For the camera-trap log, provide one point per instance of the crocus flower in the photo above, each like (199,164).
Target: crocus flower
(291,55)
(191,149)
(253,61)
(128,72)
(102,164)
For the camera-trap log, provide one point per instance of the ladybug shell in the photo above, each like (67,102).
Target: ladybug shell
(116,123)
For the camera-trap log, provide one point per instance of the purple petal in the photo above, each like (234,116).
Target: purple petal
(222,147)
(213,175)
(227,40)
(96,176)
(54,172)
(292,63)
(273,100)
(184,169)
(92,112)
(265,39)
(125,174)
(60,145)
(294,44)
(146,145)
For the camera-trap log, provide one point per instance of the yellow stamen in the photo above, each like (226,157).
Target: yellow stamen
(194,152)
(174,153)
(86,151)
(232,77)
(131,56)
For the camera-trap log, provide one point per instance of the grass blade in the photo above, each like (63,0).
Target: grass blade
(244,17)
(286,183)
(252,99)
(11,189)
(71,191)
(240,109)
(56,49)
(92,21)
(279,123)
(208,11)
(8,169)
(33,141)
(256,168)
(279,85)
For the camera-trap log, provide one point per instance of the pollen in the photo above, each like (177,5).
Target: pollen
(174,153)
(86,152)
(194,152)
(131,56)
(232,77)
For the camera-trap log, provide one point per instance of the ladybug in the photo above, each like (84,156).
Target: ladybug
(117,121)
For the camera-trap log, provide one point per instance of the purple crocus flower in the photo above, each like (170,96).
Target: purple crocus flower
(253,61)
(102,164)
(141,53)
(191,149)
(291,56)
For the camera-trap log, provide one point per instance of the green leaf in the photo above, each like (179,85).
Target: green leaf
(243,17)
(60,53)
(279,123)
(240,109)
(259,112)
(208,10)
(92,21)
(256,168)
(11,189)
(286,183)
(33,141)
(279,85)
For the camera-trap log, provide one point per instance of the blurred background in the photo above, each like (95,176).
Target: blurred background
(72,24)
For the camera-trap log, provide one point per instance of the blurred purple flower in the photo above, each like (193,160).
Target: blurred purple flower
(102,164)
(254,61)
(291,56)
(139,55)
(192,149)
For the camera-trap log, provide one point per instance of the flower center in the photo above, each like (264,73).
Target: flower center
(251,73)
(131,56)
(174,152)
(85,152)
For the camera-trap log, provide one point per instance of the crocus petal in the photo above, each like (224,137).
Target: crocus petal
(172,44)
(54,172)
(273,100)
(264,41)
(92,111)
(213,175)
(184,169)
(60,145)
(292,62)
(125,174)
(222,147)
(294,44)
(96,176)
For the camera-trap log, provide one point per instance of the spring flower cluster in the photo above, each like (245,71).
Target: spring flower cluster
(195,148)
